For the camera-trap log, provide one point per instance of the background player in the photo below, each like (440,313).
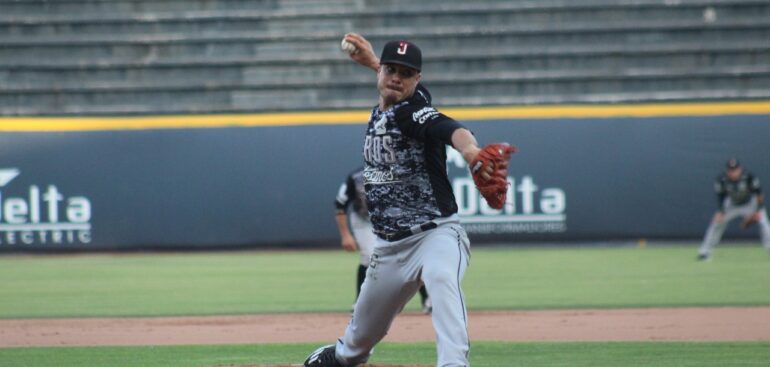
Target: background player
(738,194)
(356,230)
(413,211)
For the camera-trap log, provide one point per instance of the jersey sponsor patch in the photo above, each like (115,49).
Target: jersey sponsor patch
(425,114)
(374,176)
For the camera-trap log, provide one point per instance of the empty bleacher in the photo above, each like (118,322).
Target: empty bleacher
(84,57)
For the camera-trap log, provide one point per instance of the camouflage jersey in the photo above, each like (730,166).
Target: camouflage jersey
(405,164)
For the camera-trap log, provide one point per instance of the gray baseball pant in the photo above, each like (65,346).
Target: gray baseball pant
(438,258)
(731,211)
(362,231)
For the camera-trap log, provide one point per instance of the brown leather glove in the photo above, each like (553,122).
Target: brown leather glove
(492,162)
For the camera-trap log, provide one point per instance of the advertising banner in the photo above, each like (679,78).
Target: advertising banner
(529,209)
(43,214)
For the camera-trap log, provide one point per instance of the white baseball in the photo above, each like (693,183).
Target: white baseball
(348,47)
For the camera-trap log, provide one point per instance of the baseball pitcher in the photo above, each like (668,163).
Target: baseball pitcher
(413,209)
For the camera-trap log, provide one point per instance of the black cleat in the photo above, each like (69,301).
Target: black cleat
(323,357)
(704,257)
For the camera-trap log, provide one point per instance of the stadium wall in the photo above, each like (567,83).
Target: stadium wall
(217,182)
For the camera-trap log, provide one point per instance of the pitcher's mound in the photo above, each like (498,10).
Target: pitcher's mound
(300,365)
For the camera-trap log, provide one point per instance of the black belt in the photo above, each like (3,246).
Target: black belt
(400,235)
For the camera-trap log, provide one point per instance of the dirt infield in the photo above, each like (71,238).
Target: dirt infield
(697,324)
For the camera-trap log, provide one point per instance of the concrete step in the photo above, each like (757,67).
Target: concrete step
(321,44)
(269,72)
(564,86)
(442,55)
(364,19)
(48,7)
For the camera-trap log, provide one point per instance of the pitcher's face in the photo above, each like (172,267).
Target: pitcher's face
(396,83)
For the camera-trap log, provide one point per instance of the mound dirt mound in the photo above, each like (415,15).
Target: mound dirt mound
(684,324)
(299,365)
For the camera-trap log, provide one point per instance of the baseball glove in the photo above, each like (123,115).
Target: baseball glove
(492,162)
(750,221)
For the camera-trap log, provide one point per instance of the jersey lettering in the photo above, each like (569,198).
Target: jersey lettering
(378,149)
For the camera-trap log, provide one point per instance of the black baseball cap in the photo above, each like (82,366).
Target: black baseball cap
(733,163)
(402,53)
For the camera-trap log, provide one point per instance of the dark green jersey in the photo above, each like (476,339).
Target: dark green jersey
(739,191)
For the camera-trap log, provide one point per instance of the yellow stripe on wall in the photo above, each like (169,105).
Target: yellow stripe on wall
(179,121)
(604,111)
(42,124)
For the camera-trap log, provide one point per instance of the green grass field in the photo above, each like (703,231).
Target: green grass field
(488,354)
(499,278)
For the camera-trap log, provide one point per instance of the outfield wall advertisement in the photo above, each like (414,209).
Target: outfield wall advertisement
(47,216)
(574,179)
(41,215)
(528,208)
